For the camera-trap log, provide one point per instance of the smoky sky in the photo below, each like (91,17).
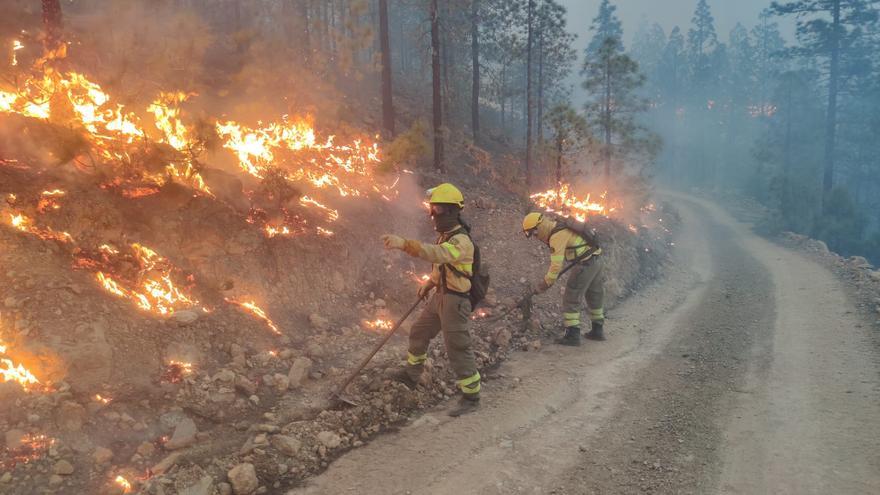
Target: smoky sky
(668,13)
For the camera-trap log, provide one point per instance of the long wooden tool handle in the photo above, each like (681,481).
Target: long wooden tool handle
(378,346)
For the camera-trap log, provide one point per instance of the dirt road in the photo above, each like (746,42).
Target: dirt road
(745,370)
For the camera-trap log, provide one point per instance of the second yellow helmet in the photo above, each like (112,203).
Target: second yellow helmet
(532,220)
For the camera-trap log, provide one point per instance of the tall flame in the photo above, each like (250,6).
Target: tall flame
(11,372)
(564,202)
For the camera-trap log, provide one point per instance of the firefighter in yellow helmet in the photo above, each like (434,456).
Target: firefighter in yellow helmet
(449,308)
(585,281)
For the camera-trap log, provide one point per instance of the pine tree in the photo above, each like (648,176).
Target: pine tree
(769,63)
(702,42)
(612,80)
(828,30)
(605,25)
(570,133)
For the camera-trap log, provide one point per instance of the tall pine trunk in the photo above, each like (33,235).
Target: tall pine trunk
(475,62)
(387,96)
(531,9)
(606,151)
(540,122)
(444,57)
(831,114)
(305,12)
(435,87)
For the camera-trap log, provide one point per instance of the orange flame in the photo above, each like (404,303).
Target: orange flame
(123,483)
(10,372)
(156,291)
(379,324)
(565,203)
(24,224)
(252,308)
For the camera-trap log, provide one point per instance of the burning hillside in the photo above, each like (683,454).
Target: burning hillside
(186,274)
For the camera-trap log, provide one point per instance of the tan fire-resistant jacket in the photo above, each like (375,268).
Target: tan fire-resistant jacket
(456,250)
(564,245)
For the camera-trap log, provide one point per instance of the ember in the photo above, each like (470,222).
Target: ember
(176,371)
(29,448)
(49,200)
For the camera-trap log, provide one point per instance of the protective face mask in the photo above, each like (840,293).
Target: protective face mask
(445,221)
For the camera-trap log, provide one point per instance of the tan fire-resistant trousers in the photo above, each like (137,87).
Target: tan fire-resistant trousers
(585,281)
(447,313)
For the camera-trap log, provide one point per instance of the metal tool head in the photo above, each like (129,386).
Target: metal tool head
(338,399)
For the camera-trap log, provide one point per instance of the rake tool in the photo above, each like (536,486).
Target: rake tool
(339,394)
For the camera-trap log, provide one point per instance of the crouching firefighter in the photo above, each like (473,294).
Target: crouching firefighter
(568,243)
(455,260)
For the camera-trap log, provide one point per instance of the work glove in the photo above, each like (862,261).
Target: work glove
(425,289)
(540,287)
(393,241)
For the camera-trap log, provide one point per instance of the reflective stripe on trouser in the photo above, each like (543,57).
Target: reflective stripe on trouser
(571,319)
(449,314)
(414,360)
(470,385)
(585,282)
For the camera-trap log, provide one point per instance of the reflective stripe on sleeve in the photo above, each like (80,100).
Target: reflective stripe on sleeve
(414,360)
(452,250)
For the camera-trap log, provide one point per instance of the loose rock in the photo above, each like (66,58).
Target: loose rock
(329,439)
(63,467)
(184,435)
(287,445)
(243,479)
(299,371)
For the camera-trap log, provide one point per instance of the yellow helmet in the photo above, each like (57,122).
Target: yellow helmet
(531,221)
(446,194)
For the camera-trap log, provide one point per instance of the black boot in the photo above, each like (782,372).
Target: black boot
(466,404)
(408,375)
(596,331)
(571,338)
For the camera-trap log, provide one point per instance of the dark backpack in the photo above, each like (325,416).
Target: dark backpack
(591,232)
(479,280)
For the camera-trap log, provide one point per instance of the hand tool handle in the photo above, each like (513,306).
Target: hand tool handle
(378,346)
